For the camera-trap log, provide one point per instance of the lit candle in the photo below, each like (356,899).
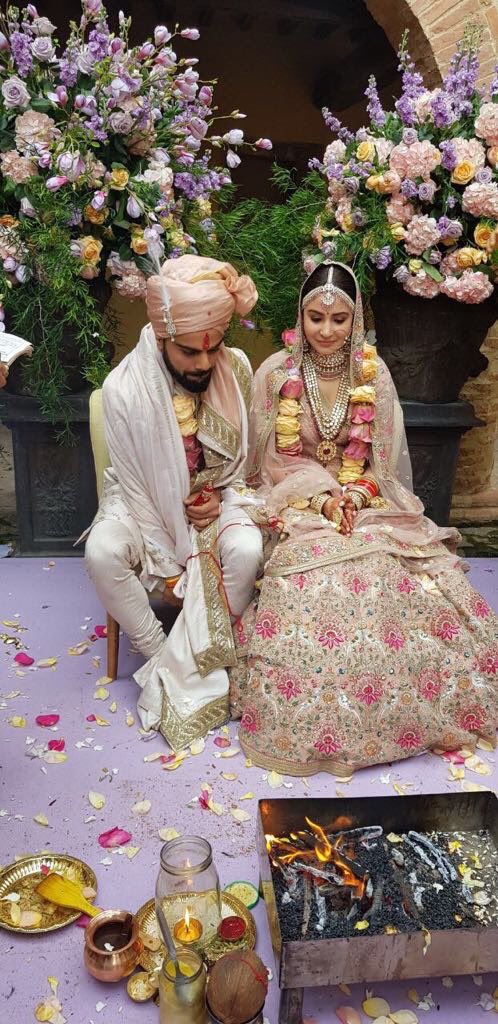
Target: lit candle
(189,929)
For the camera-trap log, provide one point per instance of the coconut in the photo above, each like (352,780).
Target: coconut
(237,987)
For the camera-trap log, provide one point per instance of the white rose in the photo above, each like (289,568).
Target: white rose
(43,27)
(335,152)
(235,137)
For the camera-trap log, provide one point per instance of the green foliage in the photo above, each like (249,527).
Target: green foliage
(266,241)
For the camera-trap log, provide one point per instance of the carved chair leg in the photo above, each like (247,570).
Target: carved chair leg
(112,647)
(291,1006)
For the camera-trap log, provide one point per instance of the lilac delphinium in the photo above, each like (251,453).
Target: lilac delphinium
(374,106)
(408,189)
(352,184)
(68,65)
(448,155)
(336,126)
(442,110)
(413,85)
(20,45)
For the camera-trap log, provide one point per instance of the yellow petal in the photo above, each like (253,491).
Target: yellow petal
(40,819)
(413,996)
(101,693)
(345,989)
(361,926)
(17,721)
(129,718)
(230,752)
(474,787)
(404,1017)
(44,1012)
(104,681)
(142,807)
(229,776)
(376,1007)
(454,845)
(15,913)
(131,851)
(247,796)
(215,808)
(167,834)
(46,663)
(80,648)
(275,780)
(394,838)
(97,800)
(54,983)
(101,721)
(390,929)
(197,746)
(30,919)
(240,815)
(485,745)
(112,707)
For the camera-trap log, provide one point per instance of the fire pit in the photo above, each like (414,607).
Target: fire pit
(365,890)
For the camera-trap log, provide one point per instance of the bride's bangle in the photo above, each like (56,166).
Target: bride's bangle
(357,497)
(318,501)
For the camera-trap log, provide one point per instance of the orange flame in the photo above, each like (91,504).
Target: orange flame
(285,851)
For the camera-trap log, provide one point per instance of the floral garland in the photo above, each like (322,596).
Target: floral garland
(287,425)
(185,411)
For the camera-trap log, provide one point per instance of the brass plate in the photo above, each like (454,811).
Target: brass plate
(26,874)
(147,924)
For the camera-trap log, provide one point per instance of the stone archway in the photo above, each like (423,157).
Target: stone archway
(435,27)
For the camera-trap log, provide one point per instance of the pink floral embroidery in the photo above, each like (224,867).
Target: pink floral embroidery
(473,718)
(409,739)
(329,637)
(289,687)
(445,627)
(488,662)
(358,585)
(406,585)
(241,636)
(267,625)
(429,684)
(393,637)
(251,719)
(269,404)
(368,689)
(369,537)
(327,742)
(480,608)
(300,580)
(317,549)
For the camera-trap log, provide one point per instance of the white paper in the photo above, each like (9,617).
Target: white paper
(11,347)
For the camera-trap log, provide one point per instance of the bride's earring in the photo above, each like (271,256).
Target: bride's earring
(305,345)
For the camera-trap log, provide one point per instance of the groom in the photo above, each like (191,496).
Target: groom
(174,512)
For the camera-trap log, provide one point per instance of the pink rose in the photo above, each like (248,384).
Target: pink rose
(363,414)
(289,337)
(361,432)
(357,450)
(292,388)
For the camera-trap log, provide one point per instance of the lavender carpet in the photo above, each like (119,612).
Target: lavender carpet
(56,603)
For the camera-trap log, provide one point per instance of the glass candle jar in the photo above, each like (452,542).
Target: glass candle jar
(182,999)
(188,890)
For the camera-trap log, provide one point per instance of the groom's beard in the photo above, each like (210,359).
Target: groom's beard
(193,382)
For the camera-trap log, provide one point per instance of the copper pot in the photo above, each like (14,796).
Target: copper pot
(117,929)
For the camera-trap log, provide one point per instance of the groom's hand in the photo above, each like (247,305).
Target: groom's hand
(203,515)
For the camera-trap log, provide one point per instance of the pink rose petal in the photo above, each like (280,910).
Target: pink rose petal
(47,720)
(167,758)
(221,741)
(82,921)
(56,745)
(45,870)
(114,837)
(23,659)
(91,718)
(453,756)
(101,632)
(204,799)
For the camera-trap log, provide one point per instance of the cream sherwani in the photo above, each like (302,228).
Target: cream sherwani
(141,536)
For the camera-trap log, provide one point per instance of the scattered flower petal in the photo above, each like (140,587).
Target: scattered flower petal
(24,659)
(197,746)
(101,721)
(101,693)
(58,745)
(46,663)
(361,926)
(97,800)
(404,1017)
(17,721)
(30,919)
(231,752)
(167,834)
(413,996)
(229,776)
(114,837)
(222,742)
(348,1015)
(47,720)
(129,718)
(141,807)
(112,707)
(275,780)
(80,648)
(40,819)
(247,796)
(240,815)
(376,1007)
(101,632)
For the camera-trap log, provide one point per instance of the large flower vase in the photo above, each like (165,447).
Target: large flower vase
(431,346)
(69,353)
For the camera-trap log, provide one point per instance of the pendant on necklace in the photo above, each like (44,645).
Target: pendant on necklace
(326,451)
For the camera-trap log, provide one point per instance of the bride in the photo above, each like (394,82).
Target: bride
(368,643)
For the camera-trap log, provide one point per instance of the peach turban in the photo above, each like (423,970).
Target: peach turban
(204,293)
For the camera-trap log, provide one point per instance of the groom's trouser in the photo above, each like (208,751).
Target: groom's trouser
(112,560)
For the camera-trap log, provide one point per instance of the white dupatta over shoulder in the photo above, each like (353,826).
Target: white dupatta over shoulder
(184,686)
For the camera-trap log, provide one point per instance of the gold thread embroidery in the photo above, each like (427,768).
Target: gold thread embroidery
(180,732)
(219,430)
(243,376)
(220,652)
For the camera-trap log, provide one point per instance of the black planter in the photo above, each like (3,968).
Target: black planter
(69,353)
(431,346)
(55,483)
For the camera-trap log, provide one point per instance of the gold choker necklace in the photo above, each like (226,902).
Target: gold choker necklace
(330,366)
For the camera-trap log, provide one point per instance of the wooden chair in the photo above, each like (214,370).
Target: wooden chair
(102,461)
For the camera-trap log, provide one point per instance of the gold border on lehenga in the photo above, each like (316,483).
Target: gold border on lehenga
(220,652)
(181,732)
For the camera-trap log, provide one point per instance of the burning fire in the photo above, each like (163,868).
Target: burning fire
(306,848)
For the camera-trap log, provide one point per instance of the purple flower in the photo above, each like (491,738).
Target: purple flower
(451,202)
(43,49)
(42,27)
(493,89)
(207,225)
(71,165)
(426,191)
(408,189)
(22,274)
(75,217)
(334,172)
(162,35)
(401,274)
(31,9)
(435,257)
(20,44)
(205,95)
(44,159)
(361,135)
(449,228)
(4,43)
(331,121)
(442,111)
(232,159)
(190,33)
(484,175)
(315,164)
(263,144)
(374,106)
(328,249)
(449,157)
(98,200)
(197,127)
(10,265)
(55,183)
(358,218)
(92,6)
(133,207)
(352,184)
(68,66)
(145,51)
(15,93)
(382,257)
(59,97)
(409,136)
(248,324)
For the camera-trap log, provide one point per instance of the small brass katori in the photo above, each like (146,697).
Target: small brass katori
(143,986)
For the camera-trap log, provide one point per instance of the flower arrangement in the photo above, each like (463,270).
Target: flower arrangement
(415,194)
(104,146)
(356,453)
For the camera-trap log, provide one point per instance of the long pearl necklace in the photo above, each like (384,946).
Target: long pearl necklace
(328,424)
